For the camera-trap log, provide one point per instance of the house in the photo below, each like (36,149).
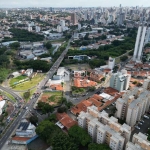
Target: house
(28,72)
(2,104)
(64,121)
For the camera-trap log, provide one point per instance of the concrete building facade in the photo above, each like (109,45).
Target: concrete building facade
(133,105)
(120,80)
(104,129)
(139,142)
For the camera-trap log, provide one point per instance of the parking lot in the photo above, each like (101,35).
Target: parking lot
(143,128)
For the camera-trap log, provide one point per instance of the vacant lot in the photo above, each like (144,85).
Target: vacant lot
(53,98)
(78,67)
(29,84)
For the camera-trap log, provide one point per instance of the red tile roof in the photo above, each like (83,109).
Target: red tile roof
(17,138)
(65,120)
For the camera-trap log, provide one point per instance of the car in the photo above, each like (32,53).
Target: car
(108,108)
(142,121)
(19,114)
(146,117)
(137,127)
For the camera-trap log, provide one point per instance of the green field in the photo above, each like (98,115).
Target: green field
(9,96)
(30,83)
(31,93)
(13,80)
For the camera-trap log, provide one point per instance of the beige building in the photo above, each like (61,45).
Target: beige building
(104,129)
(146,84)
(133,105)
(139,142)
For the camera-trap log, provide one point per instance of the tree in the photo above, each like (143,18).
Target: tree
(62,109)
(48,45)
(63,142)
(34,120)
(46,130)
(26,95)
(92,88)
(84,139)
(95,146)
(123,58)
(14,45)
(45,107)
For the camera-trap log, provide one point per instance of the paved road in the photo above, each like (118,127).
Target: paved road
(53,69)
(50,74)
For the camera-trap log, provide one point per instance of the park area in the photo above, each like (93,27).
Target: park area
(26,84)
(52,98)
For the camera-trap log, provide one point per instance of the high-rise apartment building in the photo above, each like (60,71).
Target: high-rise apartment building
(133,105)
(73,18)
(62,23)
(104,129)
(139,142)
(146,84)
(143,37)
(120,80)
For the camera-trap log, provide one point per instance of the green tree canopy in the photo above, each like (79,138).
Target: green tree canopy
(62,142)
(123,58)
(46,130)
(79,135)
(94,146)
(48,45)
(45,107)
(34,120)
(15,45)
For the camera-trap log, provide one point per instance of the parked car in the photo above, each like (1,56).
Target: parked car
(146,117)
(140,123)
(137,127)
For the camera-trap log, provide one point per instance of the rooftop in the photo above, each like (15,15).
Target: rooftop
(65,120)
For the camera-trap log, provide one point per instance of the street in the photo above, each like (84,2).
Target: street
(50,74)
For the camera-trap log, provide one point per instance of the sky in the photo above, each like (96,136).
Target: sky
(71,3)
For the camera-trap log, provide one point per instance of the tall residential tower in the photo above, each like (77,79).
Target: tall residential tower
(143,37)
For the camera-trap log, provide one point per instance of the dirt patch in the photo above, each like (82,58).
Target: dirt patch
(52,98)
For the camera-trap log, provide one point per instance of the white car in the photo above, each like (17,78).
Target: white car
(140,123)
(146,117)
(137,127)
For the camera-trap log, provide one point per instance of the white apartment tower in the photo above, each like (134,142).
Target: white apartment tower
(139,142)
(143,37)
(133,105)
(120,80)
(146,84)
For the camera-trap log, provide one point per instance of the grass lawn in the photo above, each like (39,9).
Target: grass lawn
(3,74)
(31,93)
(53,98)
(29,84)
(13,80)
(9,96)
(58,40)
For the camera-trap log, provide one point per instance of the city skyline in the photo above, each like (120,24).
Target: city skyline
(67,3)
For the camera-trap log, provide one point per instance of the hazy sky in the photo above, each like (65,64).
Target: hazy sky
(72,3)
